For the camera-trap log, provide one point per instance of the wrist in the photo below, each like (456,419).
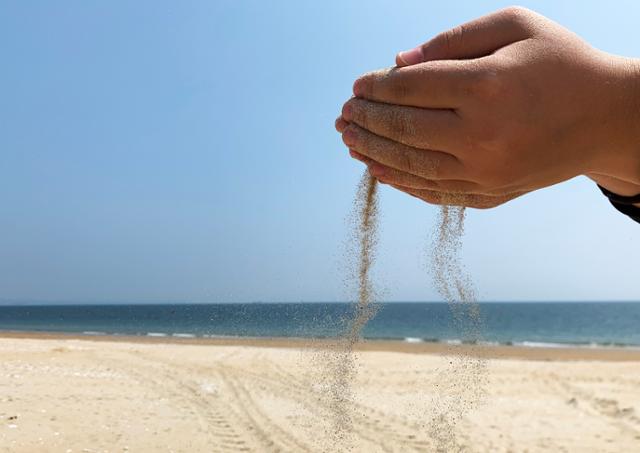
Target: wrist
(616,165)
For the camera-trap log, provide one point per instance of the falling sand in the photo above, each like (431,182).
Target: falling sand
(366,205)
(460,383)
(338,363)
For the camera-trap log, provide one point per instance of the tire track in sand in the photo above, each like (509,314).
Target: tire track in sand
(257,425)
(624,419)
(368,422)
(288,386)
(214,418)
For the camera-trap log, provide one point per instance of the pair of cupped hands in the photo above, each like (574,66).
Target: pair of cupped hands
(496,108)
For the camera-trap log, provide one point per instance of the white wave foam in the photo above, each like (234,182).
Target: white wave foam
(156,334)
(592,345)
(184,335)
(542,344)
(413,340)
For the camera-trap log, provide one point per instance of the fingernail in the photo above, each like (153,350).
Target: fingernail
(412,56)
(349,137)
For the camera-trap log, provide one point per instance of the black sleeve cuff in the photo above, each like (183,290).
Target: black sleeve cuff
(624,204)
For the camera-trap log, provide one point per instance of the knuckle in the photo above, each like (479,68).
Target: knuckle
(433,168)
(488,86)
(407,162)
(519,16)
(515,12)
(450,40)
(359,113)
(362,139)
(447,40)
(426,166)
(399,124)
(399,90)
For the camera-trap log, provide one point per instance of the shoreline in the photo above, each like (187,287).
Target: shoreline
(509,352)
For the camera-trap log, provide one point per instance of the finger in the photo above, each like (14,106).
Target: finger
(420,162)
(453,199)
(361,158)
(341,124)
(435,84)
(475,39)
(391,176)
(417,127)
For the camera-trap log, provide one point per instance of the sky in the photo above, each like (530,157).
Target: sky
(157,151)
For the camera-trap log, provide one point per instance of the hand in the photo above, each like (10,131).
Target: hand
(506,104)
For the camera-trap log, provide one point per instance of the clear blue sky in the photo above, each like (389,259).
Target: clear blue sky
(184,151)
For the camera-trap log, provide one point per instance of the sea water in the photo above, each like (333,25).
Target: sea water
(528,324)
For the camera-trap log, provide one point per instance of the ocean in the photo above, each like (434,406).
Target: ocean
(589,324)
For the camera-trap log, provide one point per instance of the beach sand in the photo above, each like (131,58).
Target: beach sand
(74,394)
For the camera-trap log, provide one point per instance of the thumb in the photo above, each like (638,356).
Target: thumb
(475,39)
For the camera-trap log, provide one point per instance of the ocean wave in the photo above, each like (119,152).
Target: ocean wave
(156,334)
(183,335)
(522,344)
(544,344)
(590,345)
(92,332)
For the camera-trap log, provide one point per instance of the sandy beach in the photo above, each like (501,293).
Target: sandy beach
(74,394)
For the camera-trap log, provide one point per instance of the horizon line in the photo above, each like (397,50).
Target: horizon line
(22,303)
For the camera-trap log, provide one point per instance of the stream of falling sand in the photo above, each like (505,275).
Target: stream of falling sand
(338,360)
(461,383)
(366,205)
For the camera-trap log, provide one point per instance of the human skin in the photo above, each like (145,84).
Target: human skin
(501,106)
